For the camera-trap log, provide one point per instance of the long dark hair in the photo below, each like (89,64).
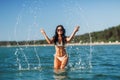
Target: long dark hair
(56,35)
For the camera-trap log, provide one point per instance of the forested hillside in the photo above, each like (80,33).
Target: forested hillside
(112,34)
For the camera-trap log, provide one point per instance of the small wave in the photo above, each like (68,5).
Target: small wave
(106,77)
(30,69)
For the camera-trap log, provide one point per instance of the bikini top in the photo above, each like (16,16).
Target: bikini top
(60,44)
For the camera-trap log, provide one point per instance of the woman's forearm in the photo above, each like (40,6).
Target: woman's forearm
(73,34)
(46,37)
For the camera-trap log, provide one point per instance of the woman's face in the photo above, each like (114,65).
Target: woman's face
(59,30)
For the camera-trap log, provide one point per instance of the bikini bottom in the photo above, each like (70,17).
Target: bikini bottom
(61,58)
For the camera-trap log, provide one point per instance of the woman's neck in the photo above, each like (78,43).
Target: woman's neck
(59,38)
(59,35)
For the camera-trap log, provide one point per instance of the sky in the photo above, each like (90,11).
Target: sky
(23,19)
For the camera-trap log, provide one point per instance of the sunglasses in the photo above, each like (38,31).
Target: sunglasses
(59,30)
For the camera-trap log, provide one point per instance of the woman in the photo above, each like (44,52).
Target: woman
(59,39)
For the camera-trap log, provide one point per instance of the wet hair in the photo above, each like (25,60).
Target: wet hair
(56,35)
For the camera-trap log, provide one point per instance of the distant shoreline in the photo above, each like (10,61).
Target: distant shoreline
(69,44)
(97,43)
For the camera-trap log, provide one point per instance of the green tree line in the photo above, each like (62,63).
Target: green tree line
(111,34)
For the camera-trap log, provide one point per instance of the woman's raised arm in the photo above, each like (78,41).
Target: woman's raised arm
(50,41)
(73,34)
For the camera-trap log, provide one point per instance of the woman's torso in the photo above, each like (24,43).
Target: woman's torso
(60,51)
(60,48)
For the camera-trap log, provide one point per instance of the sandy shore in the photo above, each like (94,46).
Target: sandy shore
(95,43)
(70,44)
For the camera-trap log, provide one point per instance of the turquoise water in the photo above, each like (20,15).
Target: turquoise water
(36,63)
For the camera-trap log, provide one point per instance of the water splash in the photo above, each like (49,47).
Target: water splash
(32,9)
(21,58)
(39,65)
(76,13)
(18,60)
(90,37)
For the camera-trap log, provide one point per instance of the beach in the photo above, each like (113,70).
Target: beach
(70,44)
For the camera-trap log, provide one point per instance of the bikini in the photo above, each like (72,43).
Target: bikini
(61,58)
(60,45)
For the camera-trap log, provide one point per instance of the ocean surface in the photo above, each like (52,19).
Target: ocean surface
(36,63)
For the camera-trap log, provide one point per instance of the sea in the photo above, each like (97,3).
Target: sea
(96,62)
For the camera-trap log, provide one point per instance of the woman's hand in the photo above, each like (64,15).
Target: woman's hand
(73,34)
(45,35)
(42,31)
(76,28)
